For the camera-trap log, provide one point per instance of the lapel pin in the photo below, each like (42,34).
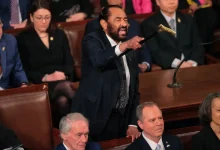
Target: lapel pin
(168,145)
(179,20)
(3,48)
(51,38)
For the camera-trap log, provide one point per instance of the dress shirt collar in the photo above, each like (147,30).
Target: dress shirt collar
(168,18)
(65,146)
(112,42)
(153,144)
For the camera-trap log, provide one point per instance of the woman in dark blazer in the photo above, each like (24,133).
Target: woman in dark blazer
(209,112)
(45,55)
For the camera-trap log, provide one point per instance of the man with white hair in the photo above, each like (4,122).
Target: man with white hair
(74,130)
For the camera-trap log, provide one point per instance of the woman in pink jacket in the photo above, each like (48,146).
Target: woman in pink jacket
(137,6)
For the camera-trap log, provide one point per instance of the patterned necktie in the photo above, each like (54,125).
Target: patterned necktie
(14,12)
(158,147)
(123,95)
(172,25)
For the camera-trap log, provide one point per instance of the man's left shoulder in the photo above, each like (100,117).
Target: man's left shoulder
(93,146)
(184,16)
(8,37)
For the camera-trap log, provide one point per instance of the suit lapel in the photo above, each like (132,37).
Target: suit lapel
(105,39)
(3,55)
(180,27)
(144,144)
(166,143)
(162,20)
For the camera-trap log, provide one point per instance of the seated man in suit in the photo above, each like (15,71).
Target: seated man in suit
(74,130)
(11,71)
(14,13)
(150,120)
(143,54)
(167,50)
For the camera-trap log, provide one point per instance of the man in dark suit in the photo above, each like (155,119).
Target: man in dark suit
(150,120)
(21,12)
(143,54)
(74,129)
(108,90)
(11,71)
(167,50)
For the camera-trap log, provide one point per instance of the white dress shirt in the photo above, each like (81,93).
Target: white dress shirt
(176,61)
(65,146)
(118,52)
(153,144)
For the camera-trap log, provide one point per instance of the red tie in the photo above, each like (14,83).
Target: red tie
(14,12)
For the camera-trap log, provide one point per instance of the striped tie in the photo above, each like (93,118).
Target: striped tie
(14,12)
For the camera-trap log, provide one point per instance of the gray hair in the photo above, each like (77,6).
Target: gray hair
(205,110)
(139,109)
(66,121)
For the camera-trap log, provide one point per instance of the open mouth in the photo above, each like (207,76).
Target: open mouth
(123,31)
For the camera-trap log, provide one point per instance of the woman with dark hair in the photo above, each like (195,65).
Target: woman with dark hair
(209,113)
(46,57)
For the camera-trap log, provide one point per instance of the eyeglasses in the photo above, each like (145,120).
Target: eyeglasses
(46,18)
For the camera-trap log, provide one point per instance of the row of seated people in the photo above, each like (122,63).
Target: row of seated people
(74,130)
(62,10)
(15,15)
(46,57)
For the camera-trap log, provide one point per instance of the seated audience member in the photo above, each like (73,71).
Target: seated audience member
(108,91)
(8,139)
(143,53)
(74,130)
(137,6)
(71,10)
(14,13)
(168,50)
(11,71)
(209,137)
(46,57)
(205,17)
(150,120)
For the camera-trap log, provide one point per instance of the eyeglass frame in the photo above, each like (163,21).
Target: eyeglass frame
(46,18)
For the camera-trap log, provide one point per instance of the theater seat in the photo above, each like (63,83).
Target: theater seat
(27,112)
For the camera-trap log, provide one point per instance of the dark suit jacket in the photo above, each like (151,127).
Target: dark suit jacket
(38,60)
(100,83)
(165,47)
(143,53)
(170,142)
(13,73)
(5,11)
(205,140)
(89,146)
